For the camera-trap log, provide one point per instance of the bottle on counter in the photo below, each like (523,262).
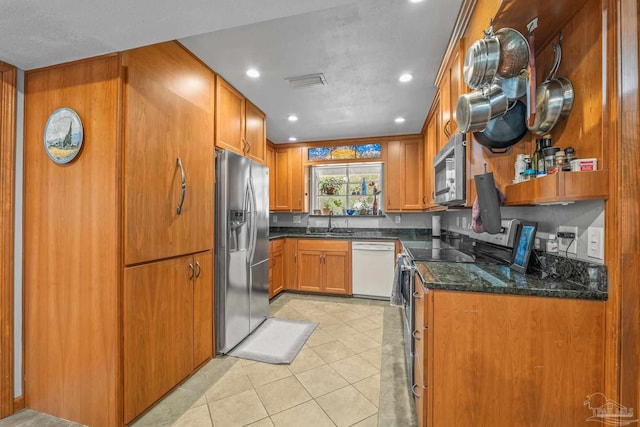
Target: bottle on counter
(364,187)
(537,155)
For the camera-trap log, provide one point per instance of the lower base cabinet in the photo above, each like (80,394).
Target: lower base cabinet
(276,267)
(168,326)
(324,266)
(506,360)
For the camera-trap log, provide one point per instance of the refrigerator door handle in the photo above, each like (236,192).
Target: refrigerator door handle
(253,228)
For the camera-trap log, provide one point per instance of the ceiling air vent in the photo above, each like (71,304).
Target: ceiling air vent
(309,80)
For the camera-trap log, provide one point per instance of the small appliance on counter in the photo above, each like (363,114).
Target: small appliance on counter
(449,167)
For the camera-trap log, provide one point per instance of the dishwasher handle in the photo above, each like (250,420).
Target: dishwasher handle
(383,247)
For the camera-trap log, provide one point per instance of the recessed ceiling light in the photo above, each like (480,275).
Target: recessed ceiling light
(293,139)
(415,1)
(406,77)
(399,120)
(253,73)
(292,118)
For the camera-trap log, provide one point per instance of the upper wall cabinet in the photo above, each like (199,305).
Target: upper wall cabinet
(255,133)
(288,180)
(404,175)
(451,87)
(240,125)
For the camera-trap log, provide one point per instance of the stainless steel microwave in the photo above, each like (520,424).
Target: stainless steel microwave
(449,168)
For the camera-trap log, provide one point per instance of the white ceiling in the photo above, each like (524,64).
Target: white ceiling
(361,46)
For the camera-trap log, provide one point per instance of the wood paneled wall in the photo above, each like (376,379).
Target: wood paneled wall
(7,197)
(622,244)
(72,247)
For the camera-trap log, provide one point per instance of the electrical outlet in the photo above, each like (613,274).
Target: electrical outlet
(464,222)
(398,219)
(275,219)
(567,244)
(595,242)
(296,219)
(457,221)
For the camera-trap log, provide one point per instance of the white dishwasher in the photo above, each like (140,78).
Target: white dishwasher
(372,265)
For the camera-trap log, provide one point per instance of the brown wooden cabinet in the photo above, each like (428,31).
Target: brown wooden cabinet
(271,164)
(168,155)
(240,125)
(404,175)
(255,133)
(230,116)
(450,88)
(505,360)
(276,267)
(121,196)
(289,180)
(430,149)
(291,263)
(166,305)
(324,266)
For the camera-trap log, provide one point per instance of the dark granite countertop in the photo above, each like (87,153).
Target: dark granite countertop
(406,234)
(572,280)
(501,279)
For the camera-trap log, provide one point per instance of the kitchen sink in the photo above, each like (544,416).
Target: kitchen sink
(335,233)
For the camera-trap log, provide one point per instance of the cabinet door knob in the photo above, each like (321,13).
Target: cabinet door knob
(183,186)
(198,269)
(191,271)
(414,335)
(417,295)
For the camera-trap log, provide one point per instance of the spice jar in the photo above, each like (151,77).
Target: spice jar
(560,160)
(550,159)
(569,155)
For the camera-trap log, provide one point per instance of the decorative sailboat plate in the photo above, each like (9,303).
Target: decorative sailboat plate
(63,135)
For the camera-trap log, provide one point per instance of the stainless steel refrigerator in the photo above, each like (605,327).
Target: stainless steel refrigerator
(242,248)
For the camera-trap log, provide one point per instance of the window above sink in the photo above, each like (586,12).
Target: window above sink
(346,189)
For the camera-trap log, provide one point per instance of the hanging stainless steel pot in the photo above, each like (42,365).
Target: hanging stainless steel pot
(475,109)
(514,53)
(504,131)
(481,62)
(550,99)
(503,54)
(567,95)
(514,87)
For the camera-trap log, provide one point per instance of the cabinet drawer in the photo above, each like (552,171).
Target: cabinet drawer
(276,245)
(323,245)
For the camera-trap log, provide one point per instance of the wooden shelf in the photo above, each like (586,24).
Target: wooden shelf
(558,188)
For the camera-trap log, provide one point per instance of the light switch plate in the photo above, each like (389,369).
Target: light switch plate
(595,242)
(568,245)
(275,218)
(398,219)
(296,219)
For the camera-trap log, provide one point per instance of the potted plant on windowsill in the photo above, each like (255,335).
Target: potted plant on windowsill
(326,207)
(330,185)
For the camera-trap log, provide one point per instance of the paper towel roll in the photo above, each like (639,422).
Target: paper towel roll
(435,225)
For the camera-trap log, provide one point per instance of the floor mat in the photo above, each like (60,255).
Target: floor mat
(275,341)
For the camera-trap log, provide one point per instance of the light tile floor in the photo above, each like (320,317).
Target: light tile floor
(350,372)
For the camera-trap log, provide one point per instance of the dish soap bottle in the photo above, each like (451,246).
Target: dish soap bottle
(364,187)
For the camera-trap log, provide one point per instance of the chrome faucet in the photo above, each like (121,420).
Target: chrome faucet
(330,226)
